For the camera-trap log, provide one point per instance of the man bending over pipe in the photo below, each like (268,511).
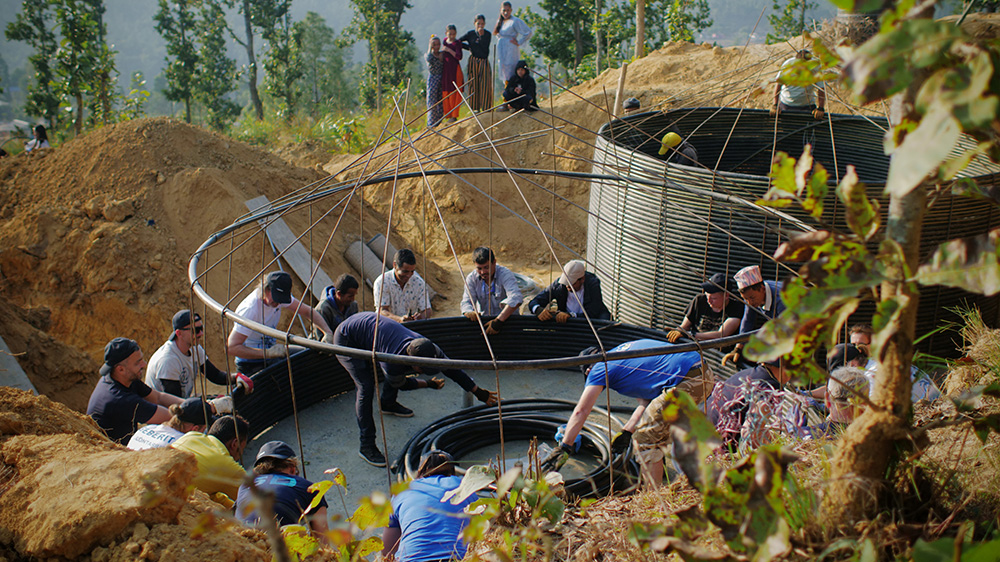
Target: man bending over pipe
(360,332)
(645,379)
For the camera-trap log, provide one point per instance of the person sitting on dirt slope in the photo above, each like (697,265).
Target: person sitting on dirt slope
(189,415)
(170,368)
(520,90)
(339,300)
(218,453)
(255,351)
(276,471)
(577,292)
(121,401)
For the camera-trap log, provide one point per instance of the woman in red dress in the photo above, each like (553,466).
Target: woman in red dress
(451,75)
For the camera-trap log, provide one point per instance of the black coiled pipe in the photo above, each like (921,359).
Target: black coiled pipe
(468,430)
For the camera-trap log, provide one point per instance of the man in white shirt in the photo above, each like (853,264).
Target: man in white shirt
(810,98)
(171,369)
(490,290)
(255,351)
(401,294)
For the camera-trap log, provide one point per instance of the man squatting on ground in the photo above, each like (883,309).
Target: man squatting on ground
(255,351)
(576,292)
(359,332)
(490,290)
(645,379)
(276,471)
(121,400)
(170,367)
(763,302)
(401,294)
(712,314)
(218,453)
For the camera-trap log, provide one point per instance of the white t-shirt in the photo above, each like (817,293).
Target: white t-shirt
(253,308)
(153,437)
(168,363)
(797,96)
(574,305)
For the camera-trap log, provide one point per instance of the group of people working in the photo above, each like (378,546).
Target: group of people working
(446,82)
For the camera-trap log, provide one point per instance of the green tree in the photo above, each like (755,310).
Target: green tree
(138,95)
(390,48)
(788,19)
(175,22)
(685,18)
(565,33)
(34,26)
(665,20)
(82,60)
(216,74)
(283,60)
(941,83)
(323,66)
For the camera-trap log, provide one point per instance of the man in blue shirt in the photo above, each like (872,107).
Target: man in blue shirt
(276,470)
(366,330)
(645,379)
(490,290)
(763,302)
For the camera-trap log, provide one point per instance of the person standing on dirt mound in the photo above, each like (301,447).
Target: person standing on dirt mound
(576,293)
(255,351)
(511,34)
(479,77)
(401,294)
(490,290)
(121,401)
(170,368)
(368,331)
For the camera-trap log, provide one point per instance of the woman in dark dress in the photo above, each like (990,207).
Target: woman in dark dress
(520,90)
(435,65)
(479,77)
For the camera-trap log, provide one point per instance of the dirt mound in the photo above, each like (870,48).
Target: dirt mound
(66,491)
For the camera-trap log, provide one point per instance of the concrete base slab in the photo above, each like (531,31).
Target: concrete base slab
(330,431)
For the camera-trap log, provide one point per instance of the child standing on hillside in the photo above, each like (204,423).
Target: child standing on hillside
(451,75)
(435,65)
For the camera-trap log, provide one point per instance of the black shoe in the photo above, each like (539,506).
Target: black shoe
(397,409)
(372,455)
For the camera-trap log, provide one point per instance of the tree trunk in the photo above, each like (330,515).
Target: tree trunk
(578,40)
(258,107)
(640,28)
(78,124)
(597,36)
(187,109)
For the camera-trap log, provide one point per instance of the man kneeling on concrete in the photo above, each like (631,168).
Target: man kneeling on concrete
(645,379)
(218,454)
(368,331)
(193,414)
(170,368)
(121,401)
(276,471)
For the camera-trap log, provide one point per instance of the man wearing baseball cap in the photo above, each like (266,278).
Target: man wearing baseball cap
(678,151)
(170,368)
(193,414)
(255,351)
(576,293)
(373,332)
(276,471)
(763,302)
(712,314)
(121,401)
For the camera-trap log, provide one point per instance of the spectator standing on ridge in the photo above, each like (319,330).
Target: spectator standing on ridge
(171,368)
(255,351)
(575,292)
(511,34)
(490,290)
(401,294)
(479,77)
(451,74)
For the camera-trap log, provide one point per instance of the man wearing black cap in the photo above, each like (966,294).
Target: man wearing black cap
(170,368)
(121,401)
(630,106)
(193,414)
(712,314)
(276,471)
(370,331)
(255,351)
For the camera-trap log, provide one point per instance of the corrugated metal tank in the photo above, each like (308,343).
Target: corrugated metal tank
(664,228)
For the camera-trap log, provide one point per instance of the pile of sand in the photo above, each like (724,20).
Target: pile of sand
(66,491)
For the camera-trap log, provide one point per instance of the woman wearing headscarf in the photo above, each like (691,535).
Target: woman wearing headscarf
(480,79)
(451,74)
(422,528)
(511,33)
(520,90)
(435,66)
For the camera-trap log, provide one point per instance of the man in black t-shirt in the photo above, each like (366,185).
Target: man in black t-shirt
(712,314)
